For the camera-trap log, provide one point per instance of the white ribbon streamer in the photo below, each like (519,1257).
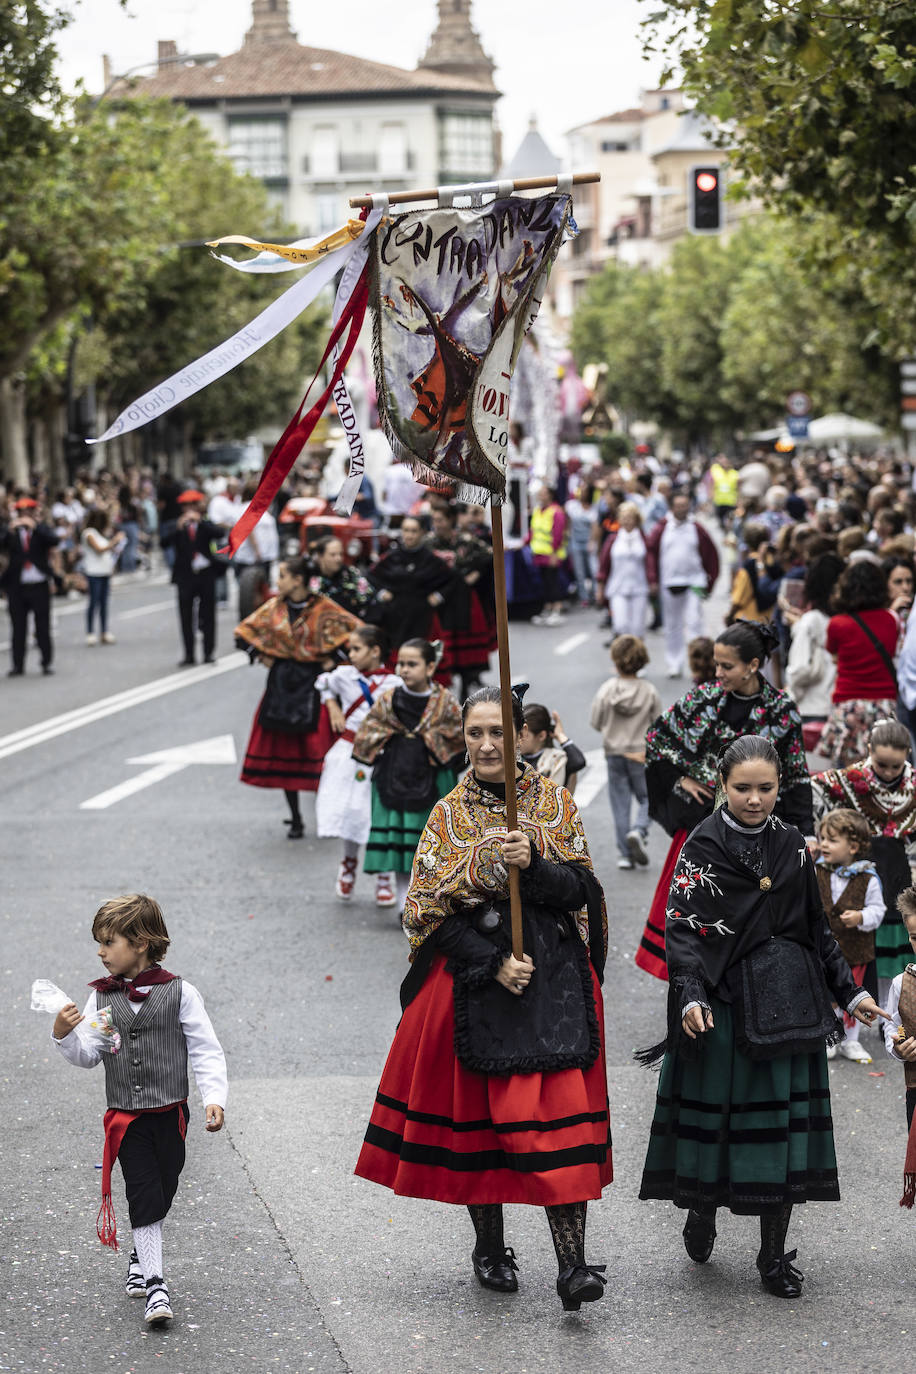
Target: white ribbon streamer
(235,350)
(346,410)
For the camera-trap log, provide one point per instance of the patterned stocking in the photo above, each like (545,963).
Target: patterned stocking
(567,1227)
(773,1228)
(488,1227)
(148,1245)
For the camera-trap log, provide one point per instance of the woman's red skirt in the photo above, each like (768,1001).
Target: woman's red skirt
(293,762)
(651,953)
(468,648)
(444,1132)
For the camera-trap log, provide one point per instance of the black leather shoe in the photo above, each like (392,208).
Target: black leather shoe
(16,672)
(582,1283)
(779,1277)
(496,1271)
(699,1236)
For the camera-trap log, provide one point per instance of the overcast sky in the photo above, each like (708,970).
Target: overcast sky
(566,61)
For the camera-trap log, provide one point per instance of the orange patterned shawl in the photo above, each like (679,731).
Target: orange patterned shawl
(320,627)
(439,727)
(459,861)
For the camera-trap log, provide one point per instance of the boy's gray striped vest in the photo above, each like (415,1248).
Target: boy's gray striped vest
(151,1068)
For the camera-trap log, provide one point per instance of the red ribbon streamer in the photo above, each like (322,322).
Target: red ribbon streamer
(295,436)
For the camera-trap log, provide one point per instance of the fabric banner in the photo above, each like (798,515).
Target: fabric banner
(232,351)
(454,293)
(286,257)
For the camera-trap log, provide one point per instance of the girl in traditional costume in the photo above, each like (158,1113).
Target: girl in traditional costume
(412,734)
(495,1087)
(295,635)
(882,788)
(343,805)
(742,1117)
(462,622)
(683,745)
(331,577)
(410,582)
(900,1039)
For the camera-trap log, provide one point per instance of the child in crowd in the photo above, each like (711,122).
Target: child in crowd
(900,1037)
(413,736)
(544,745)
(701,659)
(623,709)
(343,805)
(854,902)
(162,1023)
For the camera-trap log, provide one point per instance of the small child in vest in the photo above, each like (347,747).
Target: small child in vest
(900,1038)
(854,902)
(162,1023)
(623,709)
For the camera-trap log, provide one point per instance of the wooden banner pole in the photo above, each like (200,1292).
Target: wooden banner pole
(505,701)
(486,188)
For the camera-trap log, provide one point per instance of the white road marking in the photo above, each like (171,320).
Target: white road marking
(109,706)
(116,617)
(146,610)
(219,749)
(567,646)
(592,780)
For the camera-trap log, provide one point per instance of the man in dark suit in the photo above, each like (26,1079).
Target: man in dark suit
(195,541)
(27,582)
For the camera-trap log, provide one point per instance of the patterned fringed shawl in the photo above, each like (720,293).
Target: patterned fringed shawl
(321,627)
(459,859)
(439,727)
(890,811)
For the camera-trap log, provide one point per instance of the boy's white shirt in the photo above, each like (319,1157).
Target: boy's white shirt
(873,909)
(204,1050)
(892,1026)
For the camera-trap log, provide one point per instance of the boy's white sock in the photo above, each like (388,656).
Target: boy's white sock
(148,1245)
(402,883)
(852,1032)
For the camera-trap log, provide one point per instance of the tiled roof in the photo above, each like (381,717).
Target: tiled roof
(289,69)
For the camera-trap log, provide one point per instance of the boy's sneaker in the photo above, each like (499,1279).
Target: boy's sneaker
(636,843)
(384,891)
(831,1051)
(346,879)
(135,1285)
(158,1307)
(851,1049)
(624,863)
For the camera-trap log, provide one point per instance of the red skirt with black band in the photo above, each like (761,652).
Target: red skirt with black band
(650,956)
(443,1132)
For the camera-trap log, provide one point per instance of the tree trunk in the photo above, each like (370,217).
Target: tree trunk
(56,430)
(14,455)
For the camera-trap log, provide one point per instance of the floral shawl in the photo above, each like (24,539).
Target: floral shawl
(439,728)
(319,628)
(349,589)
(459,861)
(691,736)
(889,811)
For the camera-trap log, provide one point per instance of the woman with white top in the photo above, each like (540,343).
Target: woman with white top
(100,554)
(810,670)
(623,561)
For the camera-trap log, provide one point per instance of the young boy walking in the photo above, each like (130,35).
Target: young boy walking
(900,1038)
(623,709)
(162,1023)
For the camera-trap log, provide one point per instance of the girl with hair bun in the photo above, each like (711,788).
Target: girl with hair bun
(742,1117)
(413,737)
(882,788)
(682,749)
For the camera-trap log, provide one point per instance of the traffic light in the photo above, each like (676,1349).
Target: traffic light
(704,200)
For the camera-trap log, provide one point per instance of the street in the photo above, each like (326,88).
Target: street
(277,1257)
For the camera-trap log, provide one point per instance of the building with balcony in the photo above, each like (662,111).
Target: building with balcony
(318,126)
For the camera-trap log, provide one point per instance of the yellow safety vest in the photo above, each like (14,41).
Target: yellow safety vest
(541,526)
(724,485)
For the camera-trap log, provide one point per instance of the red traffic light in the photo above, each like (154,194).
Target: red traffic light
(705,212)
(707,181)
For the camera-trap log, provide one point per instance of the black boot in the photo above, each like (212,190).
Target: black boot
(700,1235)
(577,1282)
(493,1260)
(776,1271)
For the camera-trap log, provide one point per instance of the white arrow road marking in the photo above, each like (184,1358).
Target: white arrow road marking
(109,706)
(592,780)
(219,749)
(567,646)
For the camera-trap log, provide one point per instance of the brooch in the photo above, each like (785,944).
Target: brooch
(765,884)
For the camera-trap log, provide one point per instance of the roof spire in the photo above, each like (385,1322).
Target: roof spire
(455,47)
(269,23)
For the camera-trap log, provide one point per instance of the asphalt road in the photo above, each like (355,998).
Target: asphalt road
(278,1258)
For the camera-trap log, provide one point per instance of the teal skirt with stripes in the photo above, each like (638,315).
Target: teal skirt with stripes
(394,835)
(749,1135)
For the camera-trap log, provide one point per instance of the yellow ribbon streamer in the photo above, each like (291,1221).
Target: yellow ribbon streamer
(317,248)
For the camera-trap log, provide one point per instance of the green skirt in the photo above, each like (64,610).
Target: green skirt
(749,1135)
(892,946)
(394,835)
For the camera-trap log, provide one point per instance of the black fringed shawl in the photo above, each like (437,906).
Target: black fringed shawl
(720,910)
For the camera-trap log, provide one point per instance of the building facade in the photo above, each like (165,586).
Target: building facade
(318,126)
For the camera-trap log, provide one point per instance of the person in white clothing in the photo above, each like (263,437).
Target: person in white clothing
(162,1024)
(810,670)
(623,565)
(99,556)
(682,565)
(343,806)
